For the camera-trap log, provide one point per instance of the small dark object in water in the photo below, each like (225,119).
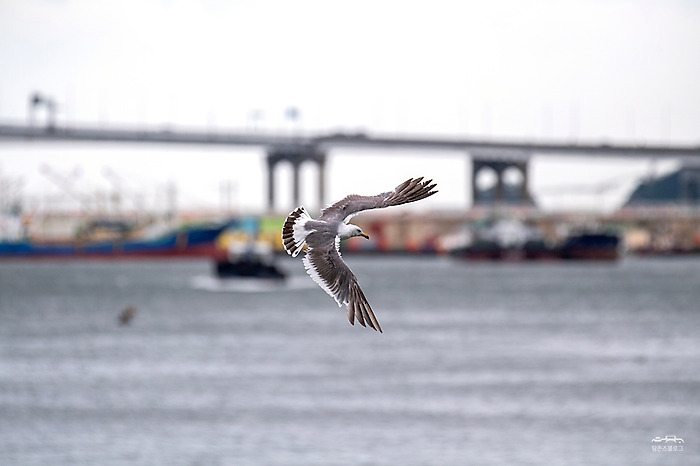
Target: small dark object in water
(127,315)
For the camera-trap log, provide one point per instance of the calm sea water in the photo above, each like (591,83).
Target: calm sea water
(573,364)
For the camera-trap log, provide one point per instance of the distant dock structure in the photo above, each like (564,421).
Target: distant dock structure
(497,156)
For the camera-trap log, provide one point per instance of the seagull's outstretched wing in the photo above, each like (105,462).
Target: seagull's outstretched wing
(410,190)
(326,267)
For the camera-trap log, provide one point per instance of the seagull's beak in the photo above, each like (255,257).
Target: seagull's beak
(365,235)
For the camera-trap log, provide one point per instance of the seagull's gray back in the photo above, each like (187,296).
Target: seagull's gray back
(322,234)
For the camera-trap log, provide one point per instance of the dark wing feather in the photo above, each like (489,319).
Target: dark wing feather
(329,270)
(411,190)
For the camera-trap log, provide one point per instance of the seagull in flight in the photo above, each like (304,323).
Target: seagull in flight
(322,237)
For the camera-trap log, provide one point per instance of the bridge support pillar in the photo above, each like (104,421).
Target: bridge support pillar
(296,155)
(270,182)
(296,166)
(321,163)
(502,192)
(525,185)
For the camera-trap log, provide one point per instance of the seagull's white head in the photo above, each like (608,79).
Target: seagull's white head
(349,230)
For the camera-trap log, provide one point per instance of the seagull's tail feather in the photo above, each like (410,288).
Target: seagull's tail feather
(293,232)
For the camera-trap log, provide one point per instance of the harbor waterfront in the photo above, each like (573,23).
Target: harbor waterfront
(650,230)
(480,363)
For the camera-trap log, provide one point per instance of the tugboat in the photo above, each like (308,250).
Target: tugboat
(250,259)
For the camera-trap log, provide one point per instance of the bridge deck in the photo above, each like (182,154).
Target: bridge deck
(486,148)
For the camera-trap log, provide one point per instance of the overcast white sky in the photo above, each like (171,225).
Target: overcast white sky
(595,70)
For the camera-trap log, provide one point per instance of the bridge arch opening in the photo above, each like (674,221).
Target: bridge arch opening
(513,176)
(283,180)
(486,178)
(309,176)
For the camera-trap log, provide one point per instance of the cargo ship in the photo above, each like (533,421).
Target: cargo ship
(185,241)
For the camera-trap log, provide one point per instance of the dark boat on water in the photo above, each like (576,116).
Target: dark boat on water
(248,260)
(591,246)
(597,247)
(507,241)
(186,241)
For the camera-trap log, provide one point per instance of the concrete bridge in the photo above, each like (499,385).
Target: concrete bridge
(498,156)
